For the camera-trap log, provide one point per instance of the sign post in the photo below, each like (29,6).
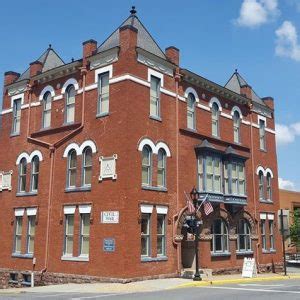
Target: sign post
(249,268)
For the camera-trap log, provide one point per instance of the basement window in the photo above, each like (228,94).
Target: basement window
(13,277)
(26,279)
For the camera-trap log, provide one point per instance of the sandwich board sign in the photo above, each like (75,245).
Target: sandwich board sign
(249,268)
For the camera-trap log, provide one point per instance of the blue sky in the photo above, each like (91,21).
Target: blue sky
(258,37)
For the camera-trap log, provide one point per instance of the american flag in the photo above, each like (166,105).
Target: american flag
(190,205)
(208,208)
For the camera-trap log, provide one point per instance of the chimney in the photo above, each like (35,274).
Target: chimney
(128,37)
(172,54)
(35,68)
(246,91)
(89,47)
(10,77)
(269,101)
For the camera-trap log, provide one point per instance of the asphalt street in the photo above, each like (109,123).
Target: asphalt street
(275,290)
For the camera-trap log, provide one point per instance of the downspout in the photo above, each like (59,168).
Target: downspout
(253,183)
(177,78)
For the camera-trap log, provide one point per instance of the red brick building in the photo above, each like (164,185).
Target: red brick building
(96,155)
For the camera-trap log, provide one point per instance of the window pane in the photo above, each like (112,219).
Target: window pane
(70,224)
(160,224)
(85,224)
(144,246)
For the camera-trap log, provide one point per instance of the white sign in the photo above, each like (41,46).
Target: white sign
(110,217)
(5,180)
(108,167)
(249,268)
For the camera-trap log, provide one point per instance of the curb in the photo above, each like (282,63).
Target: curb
(238,280)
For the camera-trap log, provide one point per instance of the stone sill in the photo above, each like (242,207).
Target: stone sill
(26,194)
(266,201)
(15,134)
(221,254)
(101,115)
(240,253)
(78,189)
(159,119)
(152,259)
(154,188)
(19,255)
(78,258)
(271,251)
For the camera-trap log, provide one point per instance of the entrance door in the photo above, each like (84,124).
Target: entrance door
(187,251)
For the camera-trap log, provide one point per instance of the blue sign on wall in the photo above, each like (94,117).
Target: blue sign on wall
(109,245)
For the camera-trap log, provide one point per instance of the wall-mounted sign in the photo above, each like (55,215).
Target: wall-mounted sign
(108,167)
(109,245)
(110,217)
(5,180)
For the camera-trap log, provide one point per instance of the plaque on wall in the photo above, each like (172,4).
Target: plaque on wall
(5,180)
(108,167)
(110,217)
(109,245)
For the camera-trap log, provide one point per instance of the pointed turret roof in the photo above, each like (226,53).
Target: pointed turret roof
(144,38)
(50,60)
(236,82)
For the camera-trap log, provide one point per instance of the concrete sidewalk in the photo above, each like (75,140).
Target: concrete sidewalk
(147,285)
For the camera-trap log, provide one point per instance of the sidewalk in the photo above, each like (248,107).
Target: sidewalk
(147,285)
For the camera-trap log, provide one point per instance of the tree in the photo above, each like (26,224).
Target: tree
(295,229)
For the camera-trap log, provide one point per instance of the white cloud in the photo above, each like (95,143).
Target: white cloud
(254,13)
(286,184)
(287,44)
(286,134)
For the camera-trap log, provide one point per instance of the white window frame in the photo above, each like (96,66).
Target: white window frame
(262,133)
(84,236)
(191,110)
(155,99)
(162,235)
(85,166)
(30,236)
(215,119)
(70,105)
(245,235)
(224,237)
(34,177)
(70,169)
(67,235)
(163,167)
(147,167)
(16,118)
(19,224)
(146,235)
(46,110)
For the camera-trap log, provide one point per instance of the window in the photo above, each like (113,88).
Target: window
(263,234)
(30,234)
(145,235)
(70,104)
(161,235)
(18,234)
(22,175)
(35,163)
(191,103)
(215,119)
(261,185)
(271,234)
(103,94)
(236,127)
(244,240)
(47,103)
(219,243)
(226,177)
(238,179)
(262,134)
(72,168)
(146,166)
(269,187)
(87,166)
(69,235)
(161,168)
(16,116)
(84,234)
(155,97)
(209,173)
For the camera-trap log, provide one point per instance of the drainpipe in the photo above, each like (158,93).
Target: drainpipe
(177,78)
(52,148)
(253,184)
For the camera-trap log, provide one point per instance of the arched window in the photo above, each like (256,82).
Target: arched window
(47,102)
(269,187)
(70,104)
(146,166)
(215,119)
(87,167)
(161,168)
(244,240)
(219,232)
(261,185)
(236,127)
(35,167)
(191,103)
(22,175)
(72,168)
